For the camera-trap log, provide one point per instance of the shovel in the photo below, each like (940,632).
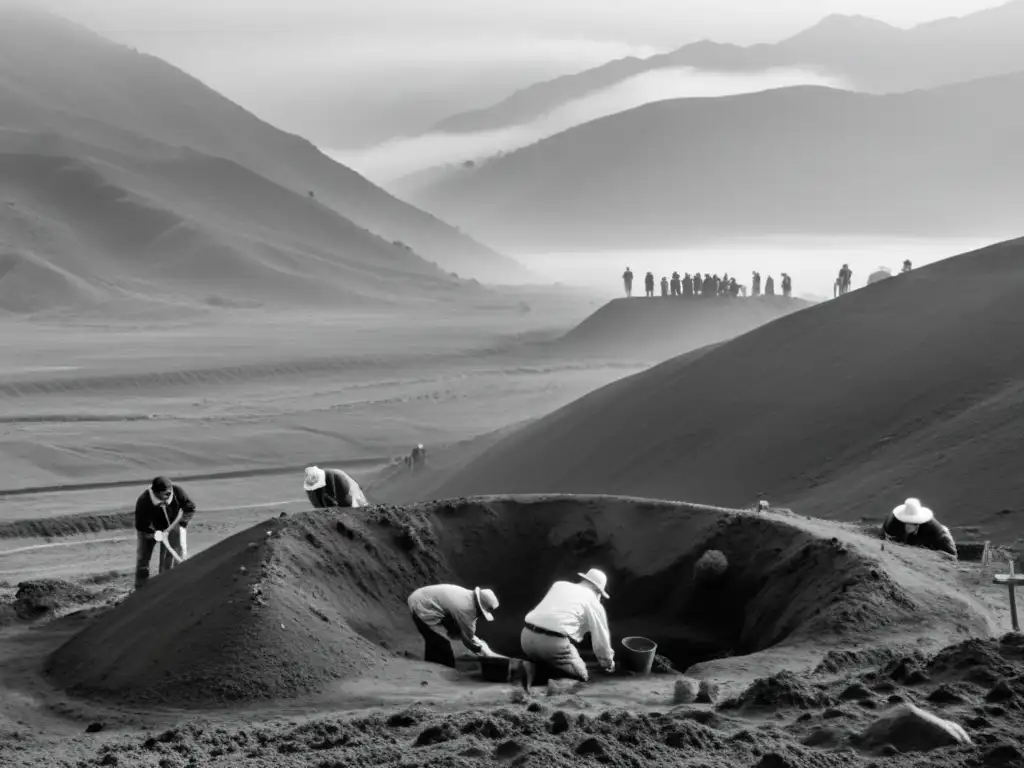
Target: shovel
(161,537)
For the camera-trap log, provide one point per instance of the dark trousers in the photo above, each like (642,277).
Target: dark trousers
(144,554)
(436,649)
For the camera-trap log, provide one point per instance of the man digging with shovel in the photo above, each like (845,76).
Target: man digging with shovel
(162,513)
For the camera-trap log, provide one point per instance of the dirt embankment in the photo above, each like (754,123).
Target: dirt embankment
(814,720)
(288,606)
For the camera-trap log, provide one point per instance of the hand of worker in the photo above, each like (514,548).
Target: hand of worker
(610,668)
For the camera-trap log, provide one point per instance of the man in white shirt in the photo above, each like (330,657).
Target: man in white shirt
(443,612)
(565,615)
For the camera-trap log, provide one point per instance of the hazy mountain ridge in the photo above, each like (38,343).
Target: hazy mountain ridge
(805,159)
(869,54)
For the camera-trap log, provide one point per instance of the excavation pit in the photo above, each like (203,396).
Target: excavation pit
(288,606)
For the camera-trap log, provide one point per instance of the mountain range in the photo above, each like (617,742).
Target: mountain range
(119,169)
(868,55)
(807,159)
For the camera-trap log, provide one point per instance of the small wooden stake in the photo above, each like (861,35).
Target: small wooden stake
(1011,580)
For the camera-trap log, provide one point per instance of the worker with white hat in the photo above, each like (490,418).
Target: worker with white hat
(444,612)
(915,525)
(332,488)
(566,614)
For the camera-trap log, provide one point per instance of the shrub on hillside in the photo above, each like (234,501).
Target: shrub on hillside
(710,569)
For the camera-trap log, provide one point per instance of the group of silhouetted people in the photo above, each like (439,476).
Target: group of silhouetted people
(706,285)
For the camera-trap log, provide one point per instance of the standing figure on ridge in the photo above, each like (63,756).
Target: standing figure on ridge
(664,286)
(787,285)
(687,285)
(769,286)
(845,278)
(906,266)
(698,284)
(675,284)
(755,284)
(649,285)
(627,281)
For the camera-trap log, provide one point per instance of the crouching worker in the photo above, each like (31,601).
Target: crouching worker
(561,620)
(444,612)
(166,508)
(916,526)
(332,488)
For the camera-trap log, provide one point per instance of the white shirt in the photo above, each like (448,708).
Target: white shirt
(574,610)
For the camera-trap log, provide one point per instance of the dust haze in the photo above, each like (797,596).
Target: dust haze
(392,160)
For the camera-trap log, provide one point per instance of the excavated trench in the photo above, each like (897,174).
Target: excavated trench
(290,606)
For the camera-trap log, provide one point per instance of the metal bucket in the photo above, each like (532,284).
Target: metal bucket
(638,654)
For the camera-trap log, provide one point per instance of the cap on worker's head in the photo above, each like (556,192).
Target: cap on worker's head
(487,601)
(597,578)
(912,513)
(315,478)
(161,485)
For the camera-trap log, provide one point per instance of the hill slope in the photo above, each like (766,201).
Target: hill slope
(910,387)
(805,159)
(58,78)
(660,328)
(84,226)
(868,54)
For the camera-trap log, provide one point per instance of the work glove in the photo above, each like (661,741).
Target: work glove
(610,667)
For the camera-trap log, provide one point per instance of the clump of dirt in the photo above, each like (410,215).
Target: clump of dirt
(781,690)
(47,597)
(711,568)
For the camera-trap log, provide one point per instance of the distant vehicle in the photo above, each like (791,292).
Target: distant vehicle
(880,274)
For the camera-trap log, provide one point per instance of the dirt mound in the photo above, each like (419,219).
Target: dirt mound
(35,599)
(815,411)
(664,327)
(287,606)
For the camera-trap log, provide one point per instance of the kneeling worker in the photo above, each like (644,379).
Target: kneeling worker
(332,488)
(916,526)
(565,615)
(443,612)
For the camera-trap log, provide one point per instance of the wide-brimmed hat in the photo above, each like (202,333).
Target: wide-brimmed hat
(315,478)
(912,513)
(597,578)
(487,600)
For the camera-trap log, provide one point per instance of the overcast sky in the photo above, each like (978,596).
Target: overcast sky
(355,70)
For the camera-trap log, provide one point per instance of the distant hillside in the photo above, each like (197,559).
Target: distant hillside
(805,159)
(77,231)
(868,54)
(664,327)
(59,79)
(910,387)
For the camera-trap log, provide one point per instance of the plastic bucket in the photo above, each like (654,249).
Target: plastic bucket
(494,669)
(638,654)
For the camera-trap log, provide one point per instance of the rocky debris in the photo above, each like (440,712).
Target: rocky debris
(708,693)
(560,722)
(784,689)
(663,666)
(36,599)
(911,729)
(855,692)
(948,694)
(94,727)
(1000,692)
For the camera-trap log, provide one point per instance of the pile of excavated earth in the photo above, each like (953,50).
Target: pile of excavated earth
(807,643)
